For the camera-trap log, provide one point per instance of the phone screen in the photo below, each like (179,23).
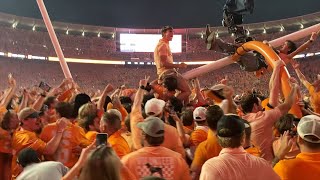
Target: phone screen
(44,86)
(101,138)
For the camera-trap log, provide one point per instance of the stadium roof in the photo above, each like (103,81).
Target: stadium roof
(154,14)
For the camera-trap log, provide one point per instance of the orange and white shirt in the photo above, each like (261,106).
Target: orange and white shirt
(73,136)
(157,161)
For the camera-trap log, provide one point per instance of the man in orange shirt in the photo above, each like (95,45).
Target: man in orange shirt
(25,136)
(201,130)
(164,62)
(210,147)
(306,165)
(73,137)
(153,159)
(111,124)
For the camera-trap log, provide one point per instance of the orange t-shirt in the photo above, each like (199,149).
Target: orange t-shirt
(5,141)
(5,154)
(72,137)
(314,98)
(254,151)
(162,48)
(24,139)
(304,166)
(157,161)
(119,144)
(91,135)
(199,135)
(206,150)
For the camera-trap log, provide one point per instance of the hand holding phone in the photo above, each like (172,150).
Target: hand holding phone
(101,139)
(44,86)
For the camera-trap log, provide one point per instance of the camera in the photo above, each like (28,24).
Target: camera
(233,12)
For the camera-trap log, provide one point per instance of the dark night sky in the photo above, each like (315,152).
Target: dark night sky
(154,13)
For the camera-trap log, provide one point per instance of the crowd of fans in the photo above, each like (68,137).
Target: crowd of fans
(147,122)
(26,42)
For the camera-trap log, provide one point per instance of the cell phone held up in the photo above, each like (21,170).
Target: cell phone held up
(101,139)
(44,86)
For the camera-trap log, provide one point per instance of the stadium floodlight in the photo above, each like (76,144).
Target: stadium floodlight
(282,28)
(232,34)
(14,25)
(264,31)
(301,26)
(99,34)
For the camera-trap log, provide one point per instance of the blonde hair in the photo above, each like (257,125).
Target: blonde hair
(102,164)
(88,109)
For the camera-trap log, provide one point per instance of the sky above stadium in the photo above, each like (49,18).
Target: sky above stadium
(155,13)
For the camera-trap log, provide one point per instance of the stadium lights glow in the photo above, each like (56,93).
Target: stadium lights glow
(2,53)
(301,26)
(113,35)
(99,34)
(264,31)
(232,34)
(309,54)
(87,61)
(67,32)
(299,56)
(14,25)
(282,28)
(317,53)
(82,33)
(33,28)
(248,32)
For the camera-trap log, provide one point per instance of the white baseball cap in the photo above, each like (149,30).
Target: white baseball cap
(154,107)
(309,126)
(199,114)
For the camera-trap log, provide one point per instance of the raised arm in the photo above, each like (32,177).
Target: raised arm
(301,77)
(274,83)
(304,46)
(102,99)
(290,99)
(12,88)
(53,144)
(136,114)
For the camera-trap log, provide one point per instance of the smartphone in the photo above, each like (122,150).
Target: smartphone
(101,139)
(44,86)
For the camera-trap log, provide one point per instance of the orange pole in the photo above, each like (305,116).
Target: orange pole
(270,57)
